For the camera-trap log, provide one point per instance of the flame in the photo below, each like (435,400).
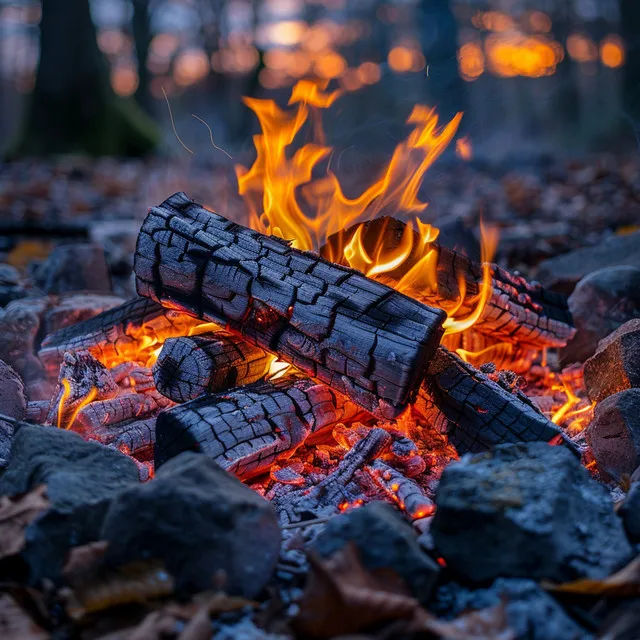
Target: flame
(515,54)
(66,422)
(285,200)
(464,148)
(277,369)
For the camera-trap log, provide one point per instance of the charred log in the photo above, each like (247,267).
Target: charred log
(518,311)
(356,335)
(117,335)
(136,438)
(481,412)
(249,428)
(189,367)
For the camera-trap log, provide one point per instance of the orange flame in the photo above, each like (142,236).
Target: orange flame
(285,200)
(66,422)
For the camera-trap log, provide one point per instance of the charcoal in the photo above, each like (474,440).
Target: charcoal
(199,520)
(13,402)
(74,267)
(563,272)
(384,540)
(76,307)
(527,510)
(615,366)
(614,433)
(630,513)
(532,613)
(81,478)
(11,287)
(602,302)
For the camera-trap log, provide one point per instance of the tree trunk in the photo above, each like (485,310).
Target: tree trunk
(141,25)
(73,108)
(630,27)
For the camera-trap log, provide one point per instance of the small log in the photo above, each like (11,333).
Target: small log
(123,333)
(96,416)
(356,335)
(336,490)
(249,428)
(190,367)
(406,493)
(518,311)
(481,412)
(135,438)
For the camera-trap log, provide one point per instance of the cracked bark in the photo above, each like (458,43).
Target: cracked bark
(249,428)
(518,311)
(482,413)
(189,367)
(356,335)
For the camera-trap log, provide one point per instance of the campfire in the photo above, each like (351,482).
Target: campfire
(330,352)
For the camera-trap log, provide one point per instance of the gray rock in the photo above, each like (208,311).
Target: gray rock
(614,433)
(199,520)
(13,401)
(527,510)
(11,287)
(630,513)
(532,614)
(561,273)
(74,267)
(384,540)
(81,478)
(602,302)
(615,366)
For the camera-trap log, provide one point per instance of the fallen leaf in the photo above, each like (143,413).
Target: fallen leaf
(84,560)
(107,588)
(484,624)
(624,583)
(16,513)
(342,597)
(16,624)
(26,251)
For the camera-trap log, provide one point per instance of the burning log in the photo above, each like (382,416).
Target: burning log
(124,333)
(406,493)
(136,438)
(481,412)
(190,367)
(334,491)
(249,428)
(359,336)
(517,311)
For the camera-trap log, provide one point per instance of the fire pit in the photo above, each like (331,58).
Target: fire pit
(328,360)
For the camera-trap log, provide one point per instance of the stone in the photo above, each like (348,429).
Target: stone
(630,513)
(384,540)
(614,433)
(77,307)
(532,614)
(526,510)
(602,302)
(13,401)
(199,520)
(74,267)
(615,366)
(11,287)
(81,478)
(563,272)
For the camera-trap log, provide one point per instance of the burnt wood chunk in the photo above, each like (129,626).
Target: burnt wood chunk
(359,336)
(249,428)
(517,311)
(481,412)
(189,367)
(116,335)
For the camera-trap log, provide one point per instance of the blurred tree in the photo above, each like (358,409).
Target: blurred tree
(73,107)
(630,26)
(141,27)
(439,29)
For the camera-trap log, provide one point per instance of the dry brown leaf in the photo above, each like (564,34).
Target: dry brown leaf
(27,250)
(342,597)
(136,582)
(16,513)
(84,560)
(485,624)
(624,583)
(16,624)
